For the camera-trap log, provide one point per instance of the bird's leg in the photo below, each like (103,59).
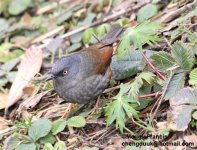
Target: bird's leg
(108,76)
(96,106)
(68,109)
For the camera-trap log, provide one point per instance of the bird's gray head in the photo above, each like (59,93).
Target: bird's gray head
(65,68)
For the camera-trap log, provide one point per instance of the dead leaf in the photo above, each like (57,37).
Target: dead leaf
(3,124)
(182,106)
(26,18)
(174,13)
(115,142)
(30,65)
(33,100)
(54,44)
(21,40)
(3,100)
(161,126)
(29,90)
(23,113)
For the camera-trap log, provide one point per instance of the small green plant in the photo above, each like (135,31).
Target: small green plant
(99,31)
(144,33)
(41,134)
(126,101)
(181,60)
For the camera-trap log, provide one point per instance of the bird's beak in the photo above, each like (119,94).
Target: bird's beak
(50,77)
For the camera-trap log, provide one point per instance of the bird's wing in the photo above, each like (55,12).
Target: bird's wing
(88,89)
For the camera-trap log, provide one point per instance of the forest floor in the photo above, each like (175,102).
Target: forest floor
(152,101)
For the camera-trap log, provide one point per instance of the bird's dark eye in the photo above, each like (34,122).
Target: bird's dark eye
(65,72)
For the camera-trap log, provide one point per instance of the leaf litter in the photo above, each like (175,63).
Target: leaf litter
(164,75)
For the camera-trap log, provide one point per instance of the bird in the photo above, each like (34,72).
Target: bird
(82,76)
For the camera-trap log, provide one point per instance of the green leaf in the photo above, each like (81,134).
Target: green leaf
(76,38)
(39,128)
(8,66)
(176,83)
(6,56)
(183,56)
(18,6)
(58,126)
(88,20)
(124,46)
(73,47)
(86,37)
(49,138)
(26,146)
(138,82)
(123,21)
(144,33)
(64,16)
(3,81)
(193,77)
(11,76)
(194,115)
(163,60)
(5,46)
(102,29)
(4,25)
(129,65)
(126,100)
(119,108)
(115,112)
(130,111)
(13,140)
(146,12)
(77,121)
(48,146)
(60,145)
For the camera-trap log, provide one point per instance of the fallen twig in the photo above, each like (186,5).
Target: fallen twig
(75,31)
(159,101)
(161,76)
(151,95)
(175,13)
(51,6)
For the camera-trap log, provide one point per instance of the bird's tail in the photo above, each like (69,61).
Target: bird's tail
(113,35)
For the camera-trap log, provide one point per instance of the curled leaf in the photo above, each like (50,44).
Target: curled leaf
(29,67)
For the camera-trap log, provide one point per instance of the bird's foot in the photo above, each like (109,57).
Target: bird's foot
(96,107)
(68,109)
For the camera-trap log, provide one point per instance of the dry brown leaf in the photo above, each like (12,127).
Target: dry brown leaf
(29,66)
(30,90)
(26,18)
(115,142)
(162,126)
(33,100)
(174,13)
(3,124)
(3,100)
(182,105)
(21,40)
